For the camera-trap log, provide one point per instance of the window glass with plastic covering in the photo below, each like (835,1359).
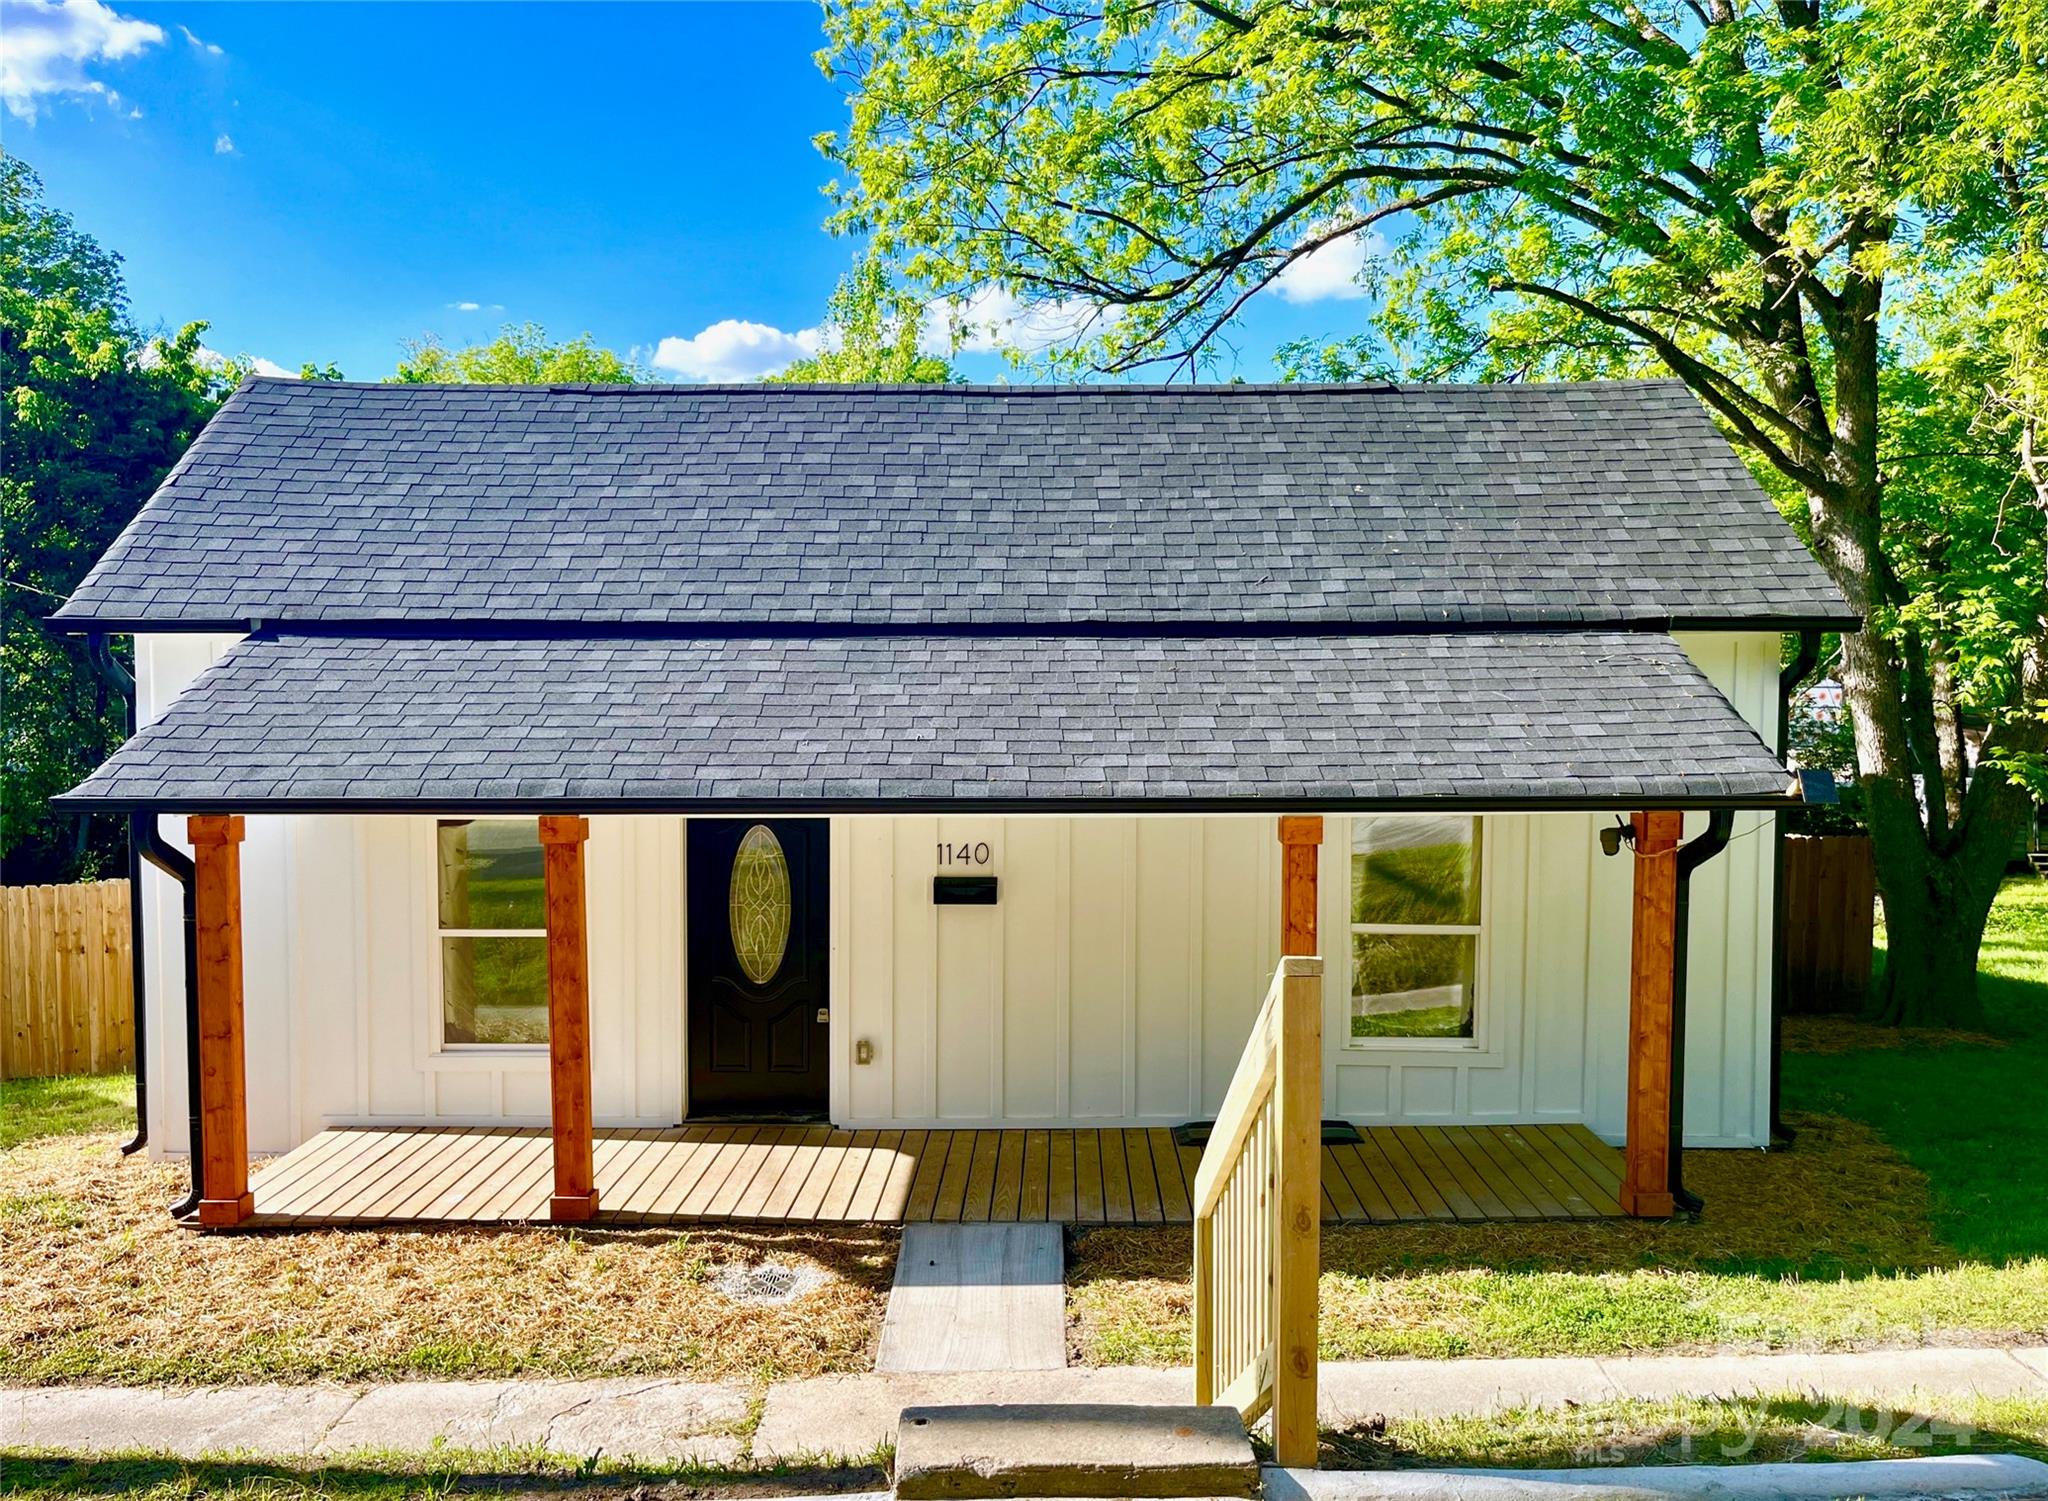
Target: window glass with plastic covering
(492,915)
(1415,925)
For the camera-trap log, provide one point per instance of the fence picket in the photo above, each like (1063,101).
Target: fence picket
(66,992)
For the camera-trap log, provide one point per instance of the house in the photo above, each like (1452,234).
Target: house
(774,770)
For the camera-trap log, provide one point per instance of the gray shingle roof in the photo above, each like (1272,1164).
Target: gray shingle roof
(1332,722)
(714,507)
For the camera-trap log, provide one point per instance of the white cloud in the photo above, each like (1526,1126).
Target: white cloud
(1329,271)
(475,307)
(733,349)
(211,49)
(987,320)
(223,144)
(50,44)
(991,318)
(213,359)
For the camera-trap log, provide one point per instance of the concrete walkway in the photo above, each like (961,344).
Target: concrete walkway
(848,1417)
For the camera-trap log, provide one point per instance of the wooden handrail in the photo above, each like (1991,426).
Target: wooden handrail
(1249,1089)
(1257,1213)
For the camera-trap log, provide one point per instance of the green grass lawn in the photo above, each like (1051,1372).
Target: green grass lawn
(371,1476)
(71,1105)
(1967,1113)
(1912,1210)
(1688,1431)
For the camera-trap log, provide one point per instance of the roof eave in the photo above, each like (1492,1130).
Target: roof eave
(471,629)
(1476,802)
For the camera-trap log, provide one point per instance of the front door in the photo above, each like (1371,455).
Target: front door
(758,966)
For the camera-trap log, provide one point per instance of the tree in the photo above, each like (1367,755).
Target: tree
(874,334)
(1827,218)
(521,356)
(95,418)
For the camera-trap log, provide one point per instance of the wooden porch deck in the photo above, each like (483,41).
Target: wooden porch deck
(818,1175)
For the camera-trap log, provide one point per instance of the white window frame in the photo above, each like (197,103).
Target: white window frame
(1480,1042)
(437,1023)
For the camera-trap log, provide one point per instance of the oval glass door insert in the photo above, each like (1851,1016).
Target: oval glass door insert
(760,904)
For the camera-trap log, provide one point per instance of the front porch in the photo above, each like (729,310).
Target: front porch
(816,1174)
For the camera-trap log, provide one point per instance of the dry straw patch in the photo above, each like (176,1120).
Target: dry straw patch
(1827,1244)
(1829,1034)
(97,1285)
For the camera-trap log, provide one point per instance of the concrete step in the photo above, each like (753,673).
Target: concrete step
(1046,1450)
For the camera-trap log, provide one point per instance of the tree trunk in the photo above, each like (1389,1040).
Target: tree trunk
(1937,875)
(1932,930)
(1937,884)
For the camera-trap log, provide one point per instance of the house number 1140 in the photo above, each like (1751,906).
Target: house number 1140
(963,854)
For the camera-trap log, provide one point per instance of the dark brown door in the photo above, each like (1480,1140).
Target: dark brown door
(758,966)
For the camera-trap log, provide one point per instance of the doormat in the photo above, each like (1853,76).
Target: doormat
(1335,1134)
(759,1118)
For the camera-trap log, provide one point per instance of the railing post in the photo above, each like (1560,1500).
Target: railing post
(1297,1260)
(1205,1313)
(575,1197)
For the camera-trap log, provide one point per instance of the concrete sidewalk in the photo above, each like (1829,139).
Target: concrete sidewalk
(849,1417)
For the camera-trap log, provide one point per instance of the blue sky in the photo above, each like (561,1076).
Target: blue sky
(320,181)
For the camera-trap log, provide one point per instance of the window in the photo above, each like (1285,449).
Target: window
(1415,924)
(493,930)
(758,904)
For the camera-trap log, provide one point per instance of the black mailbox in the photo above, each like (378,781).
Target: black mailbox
(963,891)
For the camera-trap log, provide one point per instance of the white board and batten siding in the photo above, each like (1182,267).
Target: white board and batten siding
(1113,983)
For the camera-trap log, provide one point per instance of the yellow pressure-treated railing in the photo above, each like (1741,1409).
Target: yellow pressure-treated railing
(1258,1213)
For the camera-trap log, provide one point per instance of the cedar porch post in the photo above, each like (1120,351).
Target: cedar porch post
(223,1065)
(561,840)
(1301,838)
(1646,1155)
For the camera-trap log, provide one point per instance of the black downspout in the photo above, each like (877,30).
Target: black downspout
(176,864)
(1790,678)
(1691,856)
(122,682)
(146,843)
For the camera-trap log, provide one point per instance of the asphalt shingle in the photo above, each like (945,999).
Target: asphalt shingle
(872,721)
(715,508)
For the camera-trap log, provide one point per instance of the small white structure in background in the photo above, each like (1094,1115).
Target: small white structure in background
(1824,699)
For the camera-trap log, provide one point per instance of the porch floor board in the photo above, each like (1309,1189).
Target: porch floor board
(769,1174)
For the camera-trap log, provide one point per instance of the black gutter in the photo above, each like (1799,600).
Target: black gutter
(700,628)
(1691,856)
(122,682)
(1789,679)
(596,801)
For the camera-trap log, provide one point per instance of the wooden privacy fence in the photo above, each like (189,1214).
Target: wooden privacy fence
(1829,906)
(1258,1213)
(66,990)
